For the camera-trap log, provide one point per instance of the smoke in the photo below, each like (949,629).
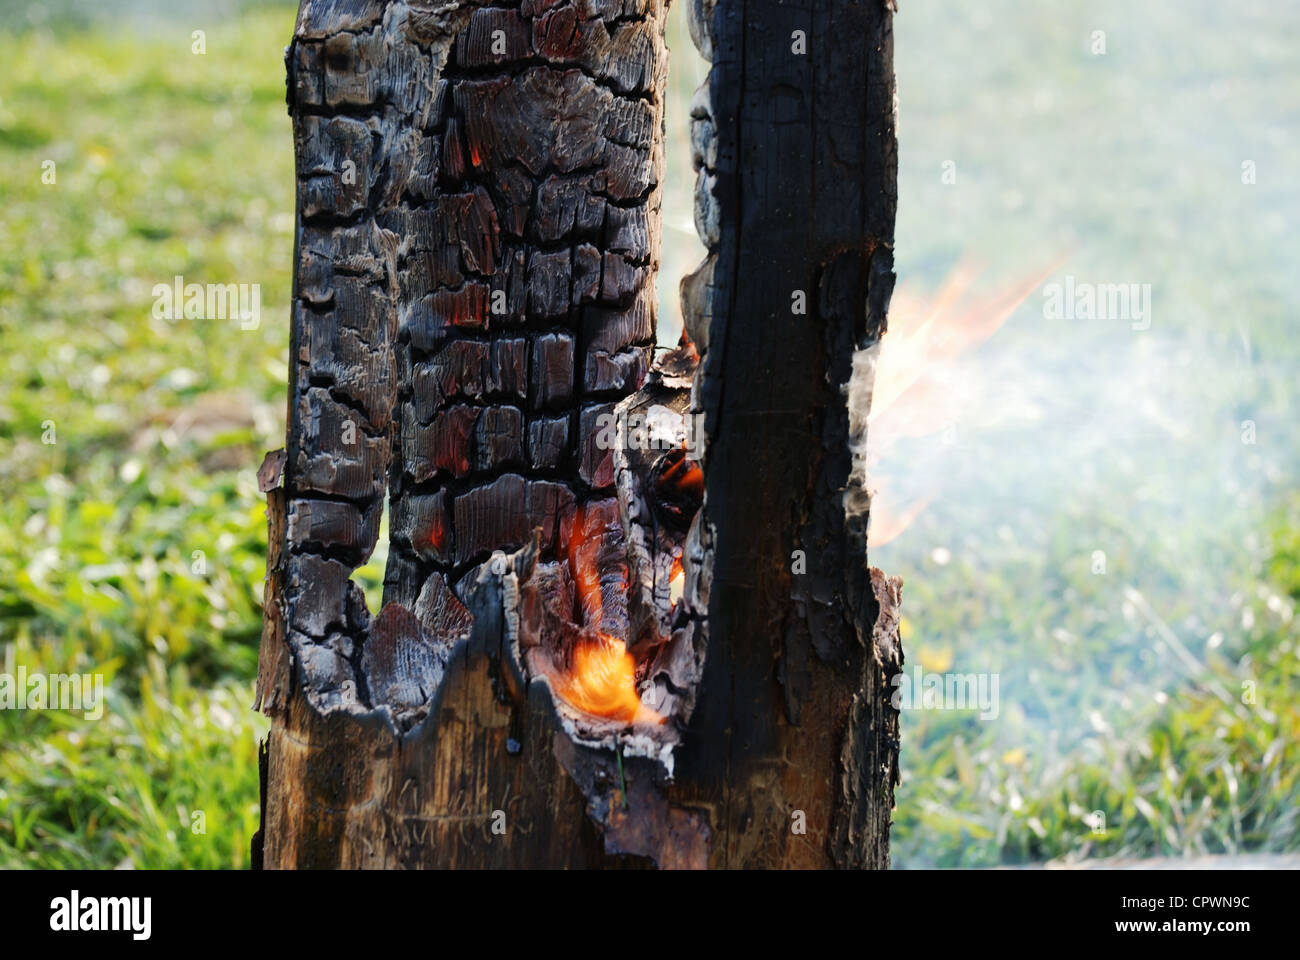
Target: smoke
(1064,465)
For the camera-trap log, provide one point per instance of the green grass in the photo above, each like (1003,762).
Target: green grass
(167,777)
(133,546)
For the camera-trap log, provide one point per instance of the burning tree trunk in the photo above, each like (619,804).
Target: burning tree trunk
(627,615)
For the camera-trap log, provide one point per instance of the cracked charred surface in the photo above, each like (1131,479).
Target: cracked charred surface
(477,239)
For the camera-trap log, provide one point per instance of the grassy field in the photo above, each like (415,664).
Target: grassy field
(132,544)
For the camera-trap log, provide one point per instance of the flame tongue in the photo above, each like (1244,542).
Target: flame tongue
(913,393)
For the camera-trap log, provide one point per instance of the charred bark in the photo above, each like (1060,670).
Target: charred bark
(796,199)
(590,652)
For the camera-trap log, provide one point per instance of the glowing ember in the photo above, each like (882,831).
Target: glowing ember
(681,476)
(913,393)
(677,483)
(582,565)
(438,533)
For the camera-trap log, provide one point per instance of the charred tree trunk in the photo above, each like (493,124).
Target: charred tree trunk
(627,615)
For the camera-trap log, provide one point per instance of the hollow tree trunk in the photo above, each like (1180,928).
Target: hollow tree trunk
(589,652)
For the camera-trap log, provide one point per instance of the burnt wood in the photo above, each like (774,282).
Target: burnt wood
(477,241)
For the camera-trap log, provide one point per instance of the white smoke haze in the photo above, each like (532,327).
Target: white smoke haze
(1097,501)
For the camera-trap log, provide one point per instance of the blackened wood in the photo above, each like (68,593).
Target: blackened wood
(797,194)
(477,242)
(478,221)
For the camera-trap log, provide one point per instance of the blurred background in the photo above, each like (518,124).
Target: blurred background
(1104,517)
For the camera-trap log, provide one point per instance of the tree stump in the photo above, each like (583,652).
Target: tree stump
(627,617)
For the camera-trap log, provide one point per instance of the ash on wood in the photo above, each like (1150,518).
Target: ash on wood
(593,648)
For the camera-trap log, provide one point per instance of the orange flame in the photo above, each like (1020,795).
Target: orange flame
(911,397)
(601,680)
